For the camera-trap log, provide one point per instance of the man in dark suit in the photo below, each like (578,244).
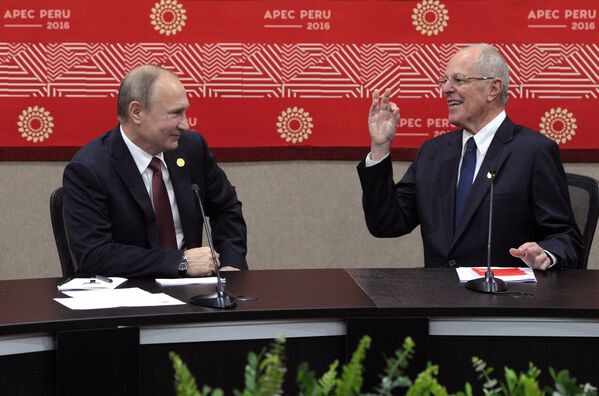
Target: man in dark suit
(446,189)
(129,207)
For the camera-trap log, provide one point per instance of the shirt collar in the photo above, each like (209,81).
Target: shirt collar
(484,137)
(141,158)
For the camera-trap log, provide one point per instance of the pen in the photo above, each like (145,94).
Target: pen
(103,278)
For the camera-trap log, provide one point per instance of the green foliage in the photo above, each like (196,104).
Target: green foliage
(394,376)
(351,380)
(568,386)
(265,373)
(426,383)
(328,381)
(185,383)
(527,384)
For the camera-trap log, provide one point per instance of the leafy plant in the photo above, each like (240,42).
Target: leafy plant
(185,383)
(265,373)
(394,375)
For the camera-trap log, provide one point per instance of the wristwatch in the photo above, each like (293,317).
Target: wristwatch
(183,265)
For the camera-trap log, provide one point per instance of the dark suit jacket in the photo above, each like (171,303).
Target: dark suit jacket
(531,201)
(109,217)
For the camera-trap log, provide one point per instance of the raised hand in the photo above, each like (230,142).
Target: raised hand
(382,124)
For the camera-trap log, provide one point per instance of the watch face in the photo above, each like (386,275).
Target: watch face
(184,264)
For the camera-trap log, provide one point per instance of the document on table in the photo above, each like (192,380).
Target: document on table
(113,298)
(187,281)
(92,283)
(508,274)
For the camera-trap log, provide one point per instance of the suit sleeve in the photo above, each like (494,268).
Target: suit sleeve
(552,211)
(229,232)
(390,210)
(89,224)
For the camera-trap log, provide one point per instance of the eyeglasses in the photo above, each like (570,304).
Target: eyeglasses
(459,80)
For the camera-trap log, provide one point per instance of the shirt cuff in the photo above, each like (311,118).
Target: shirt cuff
(552,258)
(368,162)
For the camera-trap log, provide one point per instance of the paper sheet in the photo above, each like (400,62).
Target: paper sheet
(188,281)
(87,284)
(113,298)
(508,274)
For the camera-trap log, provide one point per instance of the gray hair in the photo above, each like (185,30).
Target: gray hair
(491,63)
(138,86)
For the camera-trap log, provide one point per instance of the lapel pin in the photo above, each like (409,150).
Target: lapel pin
(180,162)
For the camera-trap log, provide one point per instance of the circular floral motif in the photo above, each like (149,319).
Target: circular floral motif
(430,17)
(294,125)
(35,124)
(168,17)
(558,124)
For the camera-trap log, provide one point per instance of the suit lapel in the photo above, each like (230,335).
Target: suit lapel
(494,159)
(125,166)
(178,168)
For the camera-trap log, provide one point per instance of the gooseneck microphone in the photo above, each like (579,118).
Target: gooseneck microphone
(221,299)
(488,284)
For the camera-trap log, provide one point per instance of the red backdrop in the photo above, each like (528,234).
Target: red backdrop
(289,80)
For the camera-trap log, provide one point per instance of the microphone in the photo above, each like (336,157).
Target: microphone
(221,299)
(488,284)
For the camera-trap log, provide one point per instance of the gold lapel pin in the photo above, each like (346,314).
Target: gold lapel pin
(180,162)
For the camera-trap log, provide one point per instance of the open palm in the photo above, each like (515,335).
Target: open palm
(382,119)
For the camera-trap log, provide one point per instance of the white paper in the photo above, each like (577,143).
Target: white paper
(187,281)
(468,273)
(113,298)
(87,284)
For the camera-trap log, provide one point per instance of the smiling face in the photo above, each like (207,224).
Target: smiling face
(475,103)
(159,126)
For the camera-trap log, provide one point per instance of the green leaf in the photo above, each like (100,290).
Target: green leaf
(426,383)
(328,381)
(185,383)
(351,380)
(306,381)
(393,376)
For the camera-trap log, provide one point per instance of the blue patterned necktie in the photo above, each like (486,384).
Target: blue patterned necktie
(466,179)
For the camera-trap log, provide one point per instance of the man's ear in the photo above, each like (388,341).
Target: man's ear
(135,111)
(495,89)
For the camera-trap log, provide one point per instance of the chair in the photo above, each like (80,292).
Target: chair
(60,235)
(584,197)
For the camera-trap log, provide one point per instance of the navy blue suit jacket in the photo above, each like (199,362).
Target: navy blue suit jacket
(109,217)
(531,201)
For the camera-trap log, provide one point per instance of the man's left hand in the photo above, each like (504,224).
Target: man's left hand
(533,255)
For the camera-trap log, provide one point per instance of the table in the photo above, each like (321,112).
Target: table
(323,313)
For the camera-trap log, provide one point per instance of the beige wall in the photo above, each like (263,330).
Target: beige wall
(300,214)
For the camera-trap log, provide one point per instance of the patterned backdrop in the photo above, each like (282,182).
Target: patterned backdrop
(290,80)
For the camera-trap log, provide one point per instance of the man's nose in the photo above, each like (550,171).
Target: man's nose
(183,124)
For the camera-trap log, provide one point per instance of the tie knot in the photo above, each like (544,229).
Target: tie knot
(155,165)
(470,144)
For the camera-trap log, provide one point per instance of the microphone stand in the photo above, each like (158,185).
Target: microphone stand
(221,299)
(488,284)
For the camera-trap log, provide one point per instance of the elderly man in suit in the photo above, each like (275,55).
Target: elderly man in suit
(129,206)
(446,189)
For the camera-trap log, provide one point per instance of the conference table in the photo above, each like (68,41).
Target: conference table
(48,349)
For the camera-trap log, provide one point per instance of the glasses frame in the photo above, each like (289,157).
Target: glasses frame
(461,80)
